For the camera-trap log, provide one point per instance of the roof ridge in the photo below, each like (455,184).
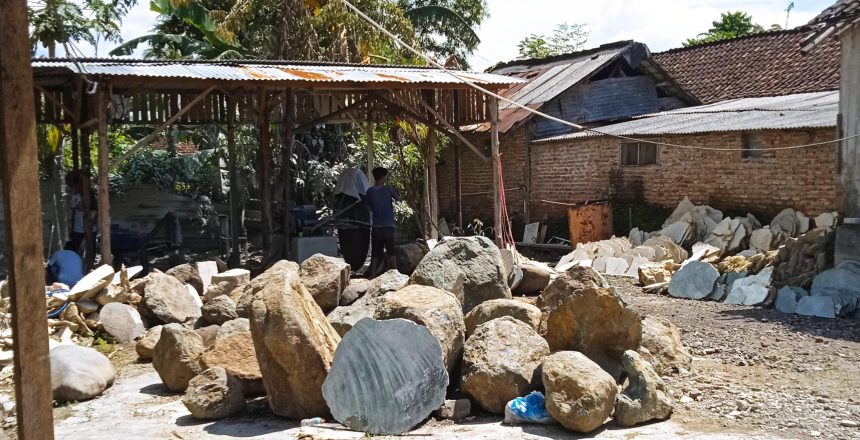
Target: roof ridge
(531,62)
(796,30)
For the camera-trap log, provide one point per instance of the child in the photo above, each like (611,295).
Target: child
(380,199)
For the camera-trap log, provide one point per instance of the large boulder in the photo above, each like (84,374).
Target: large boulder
(576,278)
(79,373)
(343,318)
(842,284)
(474,260)
(325,278)
(591,320)
(645,398)
(145,347)
(663,341)
(219,310)
(294,343)
(433,308)
(579,394)
(235,353)
(169,300)
(248,290)
(409,255)
(499,362)
(497,308)
(176,355)
(228,283)
(387,377)
(121,321)
(213,394)
(535,279)
(187,274)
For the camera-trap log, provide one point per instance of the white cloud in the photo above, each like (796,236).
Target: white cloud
(661,24)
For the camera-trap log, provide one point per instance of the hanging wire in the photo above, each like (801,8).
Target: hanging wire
(475,86)
(75,55)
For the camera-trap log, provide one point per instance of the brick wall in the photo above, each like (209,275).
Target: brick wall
(805,179)
(477,179)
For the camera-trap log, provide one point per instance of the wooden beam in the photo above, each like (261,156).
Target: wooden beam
(23,223)
(355,105)
(265,169)
(155,133)
(493,103)
(453,130)
(103,180)
(57,103)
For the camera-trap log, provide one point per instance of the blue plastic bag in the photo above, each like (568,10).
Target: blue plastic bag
(528,409)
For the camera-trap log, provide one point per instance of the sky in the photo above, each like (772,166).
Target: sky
(661,24)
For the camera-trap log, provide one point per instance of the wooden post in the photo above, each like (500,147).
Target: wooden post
(235,210)
(76,143)
(23,223)
(266,169)
(458,184)
(493,103)
(289,128)
(370,148)
(87,201)
(430,163)
(103,181)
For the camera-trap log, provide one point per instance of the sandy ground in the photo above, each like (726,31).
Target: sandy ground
(757,374)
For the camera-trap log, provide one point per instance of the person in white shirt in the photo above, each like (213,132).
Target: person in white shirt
(76,203)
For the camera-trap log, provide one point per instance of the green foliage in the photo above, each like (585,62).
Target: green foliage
(730,25)
(446,28)
(566,38)
(58,22)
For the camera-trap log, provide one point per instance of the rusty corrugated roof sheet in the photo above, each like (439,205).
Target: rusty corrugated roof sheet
(831,22)
(766,64)
(805,110)
(266,71)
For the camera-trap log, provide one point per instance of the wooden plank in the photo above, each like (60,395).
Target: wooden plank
(23,222)
(493,103)
(103,180)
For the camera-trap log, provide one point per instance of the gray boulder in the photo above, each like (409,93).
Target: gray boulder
(213,394)
(752,290)
(842,284)
(342,318)
(817,306)
(387,377)
(579,394)
(433,308)
(176,355)
(694,281)
(79,373)
(121,321)
(497,308)
(788,297)
(409,255)
(325,278)
(499,362)
(645,398)
(353,291)
(168,299)
(474,260)
(219,310)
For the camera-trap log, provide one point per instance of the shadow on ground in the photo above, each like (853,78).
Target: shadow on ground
(839,328)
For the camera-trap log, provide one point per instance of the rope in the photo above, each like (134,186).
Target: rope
(487,92)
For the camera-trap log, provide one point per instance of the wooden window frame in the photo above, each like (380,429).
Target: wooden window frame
(639,146)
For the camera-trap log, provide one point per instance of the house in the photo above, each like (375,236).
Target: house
(747,98)
(589,87)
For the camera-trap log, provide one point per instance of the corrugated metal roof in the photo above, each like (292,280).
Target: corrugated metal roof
(805,110)
(269,71)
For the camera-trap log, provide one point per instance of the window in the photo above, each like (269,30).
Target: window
(751,146)
(638,153)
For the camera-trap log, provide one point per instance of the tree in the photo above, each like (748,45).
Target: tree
(61,22)
(446,28)
(731,25)
(566,38)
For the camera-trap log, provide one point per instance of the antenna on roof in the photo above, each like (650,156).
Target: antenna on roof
(788,13)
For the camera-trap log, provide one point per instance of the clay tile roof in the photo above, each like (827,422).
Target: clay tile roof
(766,64)
(831,22)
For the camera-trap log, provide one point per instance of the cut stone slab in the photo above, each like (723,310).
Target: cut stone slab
(752,290)
(788,297)
(92,283)
(818,306)
(616,266)
(700,252)
(130,272)
(786,221)
(206,270)
(694,281)
(79,373)
(368,392)
(684,207)
(827,220)
(802,223)
(762,239)
(122,321)
(474,260)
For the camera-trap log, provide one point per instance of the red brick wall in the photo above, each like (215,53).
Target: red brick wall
(476,177)
(805,179)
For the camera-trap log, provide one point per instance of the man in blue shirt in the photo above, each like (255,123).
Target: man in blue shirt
(66,267)
(380,199)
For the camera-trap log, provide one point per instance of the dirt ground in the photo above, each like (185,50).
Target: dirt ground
(757,374)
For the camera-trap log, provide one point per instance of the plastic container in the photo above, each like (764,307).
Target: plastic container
(313,421)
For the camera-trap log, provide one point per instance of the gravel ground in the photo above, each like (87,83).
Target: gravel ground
(761,370)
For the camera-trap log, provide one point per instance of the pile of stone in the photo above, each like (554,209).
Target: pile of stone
(387,354)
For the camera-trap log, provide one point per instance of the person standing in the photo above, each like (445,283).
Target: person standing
(76,203)
(380,199)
